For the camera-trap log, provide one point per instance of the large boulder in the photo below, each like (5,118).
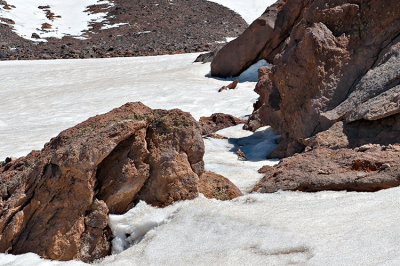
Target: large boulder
(366,169)
(261,40)
(338,62)
(55,202)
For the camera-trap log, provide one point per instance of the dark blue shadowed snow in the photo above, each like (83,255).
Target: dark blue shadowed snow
(221,156)
(249,75)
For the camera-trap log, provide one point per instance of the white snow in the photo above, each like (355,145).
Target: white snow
(221,157)
(248,9)
(326,228)
(38,99)
(73,19)
(110,26)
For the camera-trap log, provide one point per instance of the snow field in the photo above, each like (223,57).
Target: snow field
(325,228)
(38,99)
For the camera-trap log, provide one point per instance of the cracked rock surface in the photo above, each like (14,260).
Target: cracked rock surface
(55,202)
(333,61)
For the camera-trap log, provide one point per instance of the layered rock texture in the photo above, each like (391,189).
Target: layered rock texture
(335,66)
(55,202)
(369,168)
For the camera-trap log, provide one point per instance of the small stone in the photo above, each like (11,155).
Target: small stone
(241,155)
(35,36)
(364,148)
(361,174)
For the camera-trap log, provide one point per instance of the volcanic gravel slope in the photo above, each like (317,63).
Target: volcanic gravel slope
(150,28)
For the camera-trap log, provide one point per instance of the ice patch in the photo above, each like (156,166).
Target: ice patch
(221,157)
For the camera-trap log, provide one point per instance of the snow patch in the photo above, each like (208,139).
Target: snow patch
(108,26)
(130,228)
(249,9)
(69,17)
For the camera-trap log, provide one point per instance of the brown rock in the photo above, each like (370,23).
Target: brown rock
(334,64)
(342,169)
(35,36)
(215,186)
(46,26)
(231,86)
(217,122)
(260,40)
(7,21)
(55,202)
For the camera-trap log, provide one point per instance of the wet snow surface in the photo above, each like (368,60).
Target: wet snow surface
(38,99)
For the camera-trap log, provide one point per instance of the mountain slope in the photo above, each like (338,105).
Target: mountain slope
(115,28)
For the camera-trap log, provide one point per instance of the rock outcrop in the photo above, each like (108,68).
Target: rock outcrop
(334,61)
(217,122)
(55,202)
(368,168)
(216,186)
(261,40)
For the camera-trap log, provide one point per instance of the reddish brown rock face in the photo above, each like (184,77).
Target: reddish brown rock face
(216,186)
(335,60)
(260,40)
(218,121)
(369,168)
(56,202)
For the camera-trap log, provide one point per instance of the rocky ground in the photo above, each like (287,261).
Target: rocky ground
(152,28)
